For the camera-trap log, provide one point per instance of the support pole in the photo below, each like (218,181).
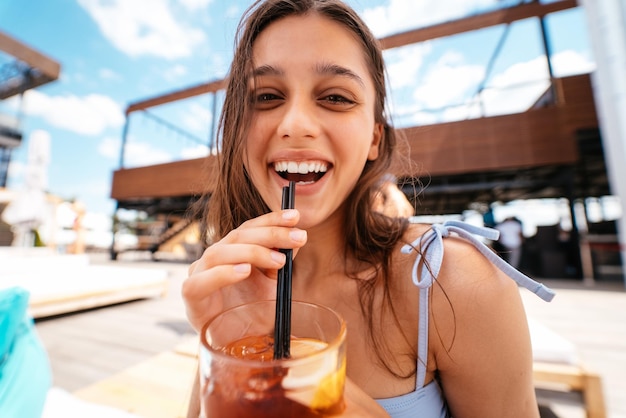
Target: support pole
(607,29)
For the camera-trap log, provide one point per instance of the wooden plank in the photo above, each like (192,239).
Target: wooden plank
(189,347)
(572,378)
(481,21)
(47,68)
(203,88)
(179,178)
(593,397)
(63,283)
(567,375)
(44,307)
(157,388)
(493,143)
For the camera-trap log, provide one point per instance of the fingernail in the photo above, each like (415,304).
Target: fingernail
(242,268)
(278,257)
(289,214)
(297,235)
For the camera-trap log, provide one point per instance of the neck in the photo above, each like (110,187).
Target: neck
(322,258)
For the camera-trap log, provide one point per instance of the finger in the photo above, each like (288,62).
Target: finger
(283,218)
(267,236)
(199,291)
(232,254)
(206,282)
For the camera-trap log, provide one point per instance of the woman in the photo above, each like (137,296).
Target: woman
(305,102)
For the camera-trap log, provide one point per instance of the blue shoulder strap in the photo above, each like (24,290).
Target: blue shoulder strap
(432,241)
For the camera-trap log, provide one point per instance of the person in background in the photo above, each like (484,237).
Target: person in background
(429,335)
(511,240)
(78,245)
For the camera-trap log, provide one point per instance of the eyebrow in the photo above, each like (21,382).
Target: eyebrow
(267,70)
(334,69)
(322,69)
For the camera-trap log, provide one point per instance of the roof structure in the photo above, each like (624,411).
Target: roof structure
(23,68)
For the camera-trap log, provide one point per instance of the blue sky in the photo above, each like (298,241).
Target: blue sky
(115,52)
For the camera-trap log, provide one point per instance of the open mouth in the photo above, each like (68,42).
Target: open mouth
(302,172)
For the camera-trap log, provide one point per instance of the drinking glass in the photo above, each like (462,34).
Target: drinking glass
(240,378)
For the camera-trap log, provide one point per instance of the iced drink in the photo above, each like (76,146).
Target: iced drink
(240,378)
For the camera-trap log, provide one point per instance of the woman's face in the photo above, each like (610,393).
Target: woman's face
(313,119)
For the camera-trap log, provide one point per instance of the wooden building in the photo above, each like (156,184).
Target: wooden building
(551,150)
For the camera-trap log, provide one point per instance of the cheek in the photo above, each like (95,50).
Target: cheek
(355,137)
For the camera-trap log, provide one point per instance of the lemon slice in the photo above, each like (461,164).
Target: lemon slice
(317,384)
(302,347)
(330,390)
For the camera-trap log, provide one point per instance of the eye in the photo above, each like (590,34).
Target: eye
(337,100)
(267,100)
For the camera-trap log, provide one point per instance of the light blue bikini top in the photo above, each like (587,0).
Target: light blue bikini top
(427,401)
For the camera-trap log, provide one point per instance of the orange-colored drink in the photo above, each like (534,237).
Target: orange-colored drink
(240,378)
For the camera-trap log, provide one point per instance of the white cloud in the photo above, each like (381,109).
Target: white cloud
(571,62)
(195,5)
(136,154)
(522,72)
(448,82)
(233,12)
(197,119)
(175,72)
(519,86)
(198,151)
(144,27)
(110,147)
(402,15)
(108,74)
(403,64)
(88,115)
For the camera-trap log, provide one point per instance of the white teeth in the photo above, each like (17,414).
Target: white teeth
(303,167)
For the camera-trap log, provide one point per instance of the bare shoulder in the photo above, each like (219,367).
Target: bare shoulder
(469,290)
(478,339)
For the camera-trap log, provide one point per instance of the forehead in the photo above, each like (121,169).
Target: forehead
(310,38)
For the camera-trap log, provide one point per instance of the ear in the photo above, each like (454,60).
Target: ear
(376,139)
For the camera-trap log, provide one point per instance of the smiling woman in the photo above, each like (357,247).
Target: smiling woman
(305,102)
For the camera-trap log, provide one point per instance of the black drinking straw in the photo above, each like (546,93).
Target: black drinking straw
(282,323)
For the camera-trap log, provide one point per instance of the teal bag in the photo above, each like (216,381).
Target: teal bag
(25,375)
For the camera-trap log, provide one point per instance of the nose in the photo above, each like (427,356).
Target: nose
(300,119)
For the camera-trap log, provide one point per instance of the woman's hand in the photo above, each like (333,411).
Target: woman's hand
(242,266)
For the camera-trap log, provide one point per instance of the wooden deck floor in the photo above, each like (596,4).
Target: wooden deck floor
(88,346)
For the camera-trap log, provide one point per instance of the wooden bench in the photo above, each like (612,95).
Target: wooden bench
(556,366)
(63,283)
(159,387)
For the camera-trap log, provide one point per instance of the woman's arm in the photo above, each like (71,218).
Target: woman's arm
(480,338)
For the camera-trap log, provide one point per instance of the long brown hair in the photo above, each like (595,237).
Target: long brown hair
(371,237)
